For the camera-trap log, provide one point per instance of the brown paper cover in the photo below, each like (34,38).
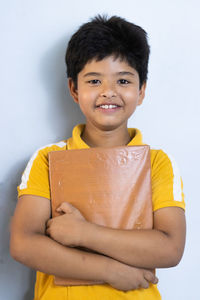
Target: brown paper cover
(110,187)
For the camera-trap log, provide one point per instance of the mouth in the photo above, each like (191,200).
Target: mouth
(108,107)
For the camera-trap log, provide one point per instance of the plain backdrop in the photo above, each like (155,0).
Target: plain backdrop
(36,108)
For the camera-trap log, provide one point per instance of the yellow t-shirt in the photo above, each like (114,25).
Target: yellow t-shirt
(166,191)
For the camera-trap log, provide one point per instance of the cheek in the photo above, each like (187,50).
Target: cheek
(132,97)
(87,96)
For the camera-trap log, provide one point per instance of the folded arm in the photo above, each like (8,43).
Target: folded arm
(160,247)
(30,246)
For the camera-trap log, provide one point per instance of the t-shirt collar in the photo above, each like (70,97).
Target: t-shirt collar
(76,142)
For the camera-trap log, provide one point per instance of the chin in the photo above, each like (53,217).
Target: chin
(108,127)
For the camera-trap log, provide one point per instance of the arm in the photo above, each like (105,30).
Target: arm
(30,246)
(157,248)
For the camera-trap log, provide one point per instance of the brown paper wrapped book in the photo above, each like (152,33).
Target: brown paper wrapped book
(110,187)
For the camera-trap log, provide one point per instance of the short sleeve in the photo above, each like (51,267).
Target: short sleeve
(35,179)
(167,185)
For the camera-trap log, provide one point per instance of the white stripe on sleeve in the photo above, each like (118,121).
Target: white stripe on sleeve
(177,190)
(25,176)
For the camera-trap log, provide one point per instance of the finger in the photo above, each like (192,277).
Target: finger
(150,277)
(144,284)
(66,208)
(155,280)
(48,223)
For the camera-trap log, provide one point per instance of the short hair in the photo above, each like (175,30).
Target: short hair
(103,37)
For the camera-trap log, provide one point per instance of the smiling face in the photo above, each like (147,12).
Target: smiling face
(107,92)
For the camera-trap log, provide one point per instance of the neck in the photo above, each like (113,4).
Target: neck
(95,137)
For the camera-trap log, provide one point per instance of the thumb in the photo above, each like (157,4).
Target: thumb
(65,207)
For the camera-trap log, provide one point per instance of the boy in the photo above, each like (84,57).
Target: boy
(107,62)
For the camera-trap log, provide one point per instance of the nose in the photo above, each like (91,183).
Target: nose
(108,91)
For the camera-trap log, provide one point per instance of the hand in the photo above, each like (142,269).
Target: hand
(123,277)
(67,228)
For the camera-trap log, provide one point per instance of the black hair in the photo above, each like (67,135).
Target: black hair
(102,37)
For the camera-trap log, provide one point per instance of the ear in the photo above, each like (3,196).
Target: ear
(142,93)
(73,90)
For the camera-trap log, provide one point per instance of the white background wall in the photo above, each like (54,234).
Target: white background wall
(36,108)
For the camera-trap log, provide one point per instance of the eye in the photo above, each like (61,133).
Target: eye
(123,81)
(94,81)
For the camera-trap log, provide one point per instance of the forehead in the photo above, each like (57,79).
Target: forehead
(109,65)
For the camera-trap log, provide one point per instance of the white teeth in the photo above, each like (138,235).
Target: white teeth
(108,106)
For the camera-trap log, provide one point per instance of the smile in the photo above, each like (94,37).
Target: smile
(108,106)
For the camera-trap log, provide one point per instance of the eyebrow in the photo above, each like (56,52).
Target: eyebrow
(99,74)
(126,73)
(92,74)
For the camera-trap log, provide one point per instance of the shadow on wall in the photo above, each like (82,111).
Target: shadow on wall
(21,277)
(62,115)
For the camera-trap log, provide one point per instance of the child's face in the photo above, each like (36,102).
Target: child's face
(107,92)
